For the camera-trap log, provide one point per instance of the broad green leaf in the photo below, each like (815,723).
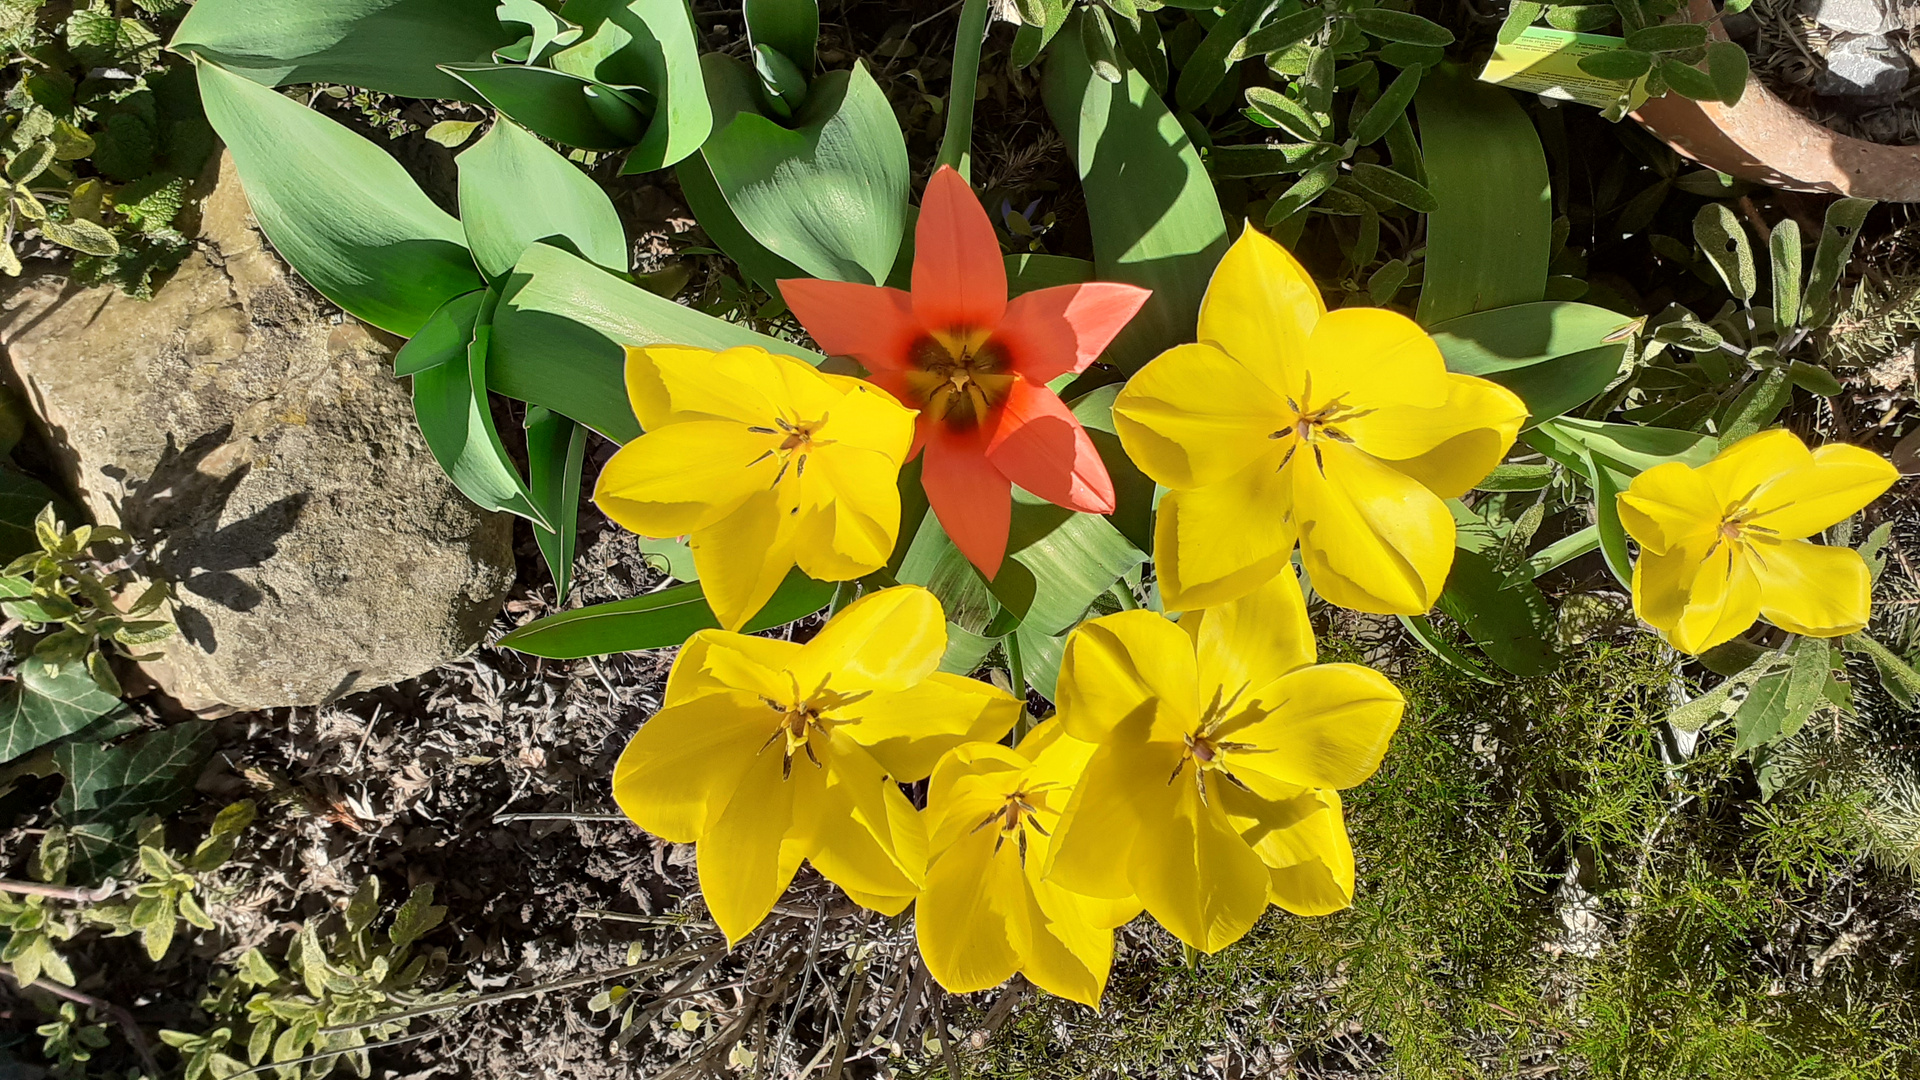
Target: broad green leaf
(1058,562)
(1609,480)
(544,28)
(927,557)
(556,453)
(1724,241)
(450,403)
(1783,245)
(1781,701)
(1040,657)
(1686,80)
(110,788)
(710,209)
(650,44)
(1283,33)
(37,707)
(966,651)
(1510,621)
(1489,241)
(1403,26)
(1026,273)
(1218,52)
(1564,383)
(1555,354)
(789,27)
(1634,447)
(394,46)
(1837,235)
(1896,674)
(1619,65)
(830,195)
(1582,18)
(516,191)
(444,338)
(1520,15)
(347,216)
(655,621)
(1564,550)
(1155,219)
(564,107)
(1132,489)
(561,331)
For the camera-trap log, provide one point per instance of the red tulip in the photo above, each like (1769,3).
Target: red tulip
(977,365)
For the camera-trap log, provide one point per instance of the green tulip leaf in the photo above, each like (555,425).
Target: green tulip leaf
(343,213)
(788,27)
(566,108)
(830,194)
(652,45)
(393,46)
(556,453)
(516,191)
(656,621)
(1155,218)
(450,403)
(1509,620)
(561,331)
(1489,240)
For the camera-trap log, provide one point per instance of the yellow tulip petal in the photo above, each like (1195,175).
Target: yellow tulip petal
(1449,447)
(1739,470)
(1261,307)
(886,640)
(1247,643)
(1322,884)
(742,874)
(1134,671)
(1222,541)
(685,762)
(1195,874)
(971,919)
(1661,582)
(970,781)
(1194,416)
(1371,358)
(1325,726)
(1371,538)
(885,905)
(908,730)
(1723,599)
(1067,957)
(866,417)
(669,384)
(1125,782)
(742,558)
(717,661)
(849,513)
(1839,483)
(1812,589)
(867,836)
(1668,505)
(682,478)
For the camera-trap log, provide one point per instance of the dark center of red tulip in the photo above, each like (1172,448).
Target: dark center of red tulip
(958,377)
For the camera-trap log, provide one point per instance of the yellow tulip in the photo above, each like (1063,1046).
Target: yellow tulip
(1220,743)
(766,461)
(1724,544)
(985,912)
(1342,430)
(768,752)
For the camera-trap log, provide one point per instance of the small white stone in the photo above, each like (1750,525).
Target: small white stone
(1860,65)
(1852,16)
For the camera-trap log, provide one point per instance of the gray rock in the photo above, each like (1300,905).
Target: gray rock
(256,440)
(1863,66)
(1853,16)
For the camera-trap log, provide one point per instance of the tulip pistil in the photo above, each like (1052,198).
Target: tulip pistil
(802,719)
(1311,424)
(1016,814)
(959,376)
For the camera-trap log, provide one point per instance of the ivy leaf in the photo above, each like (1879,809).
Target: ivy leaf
(39,707)
(110,788)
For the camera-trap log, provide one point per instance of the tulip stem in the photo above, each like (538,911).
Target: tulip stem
(1017,674)
(1123,595)
(956,146)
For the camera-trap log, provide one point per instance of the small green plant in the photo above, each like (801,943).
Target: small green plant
(71,1041)
(335,986)
(102,133)
(64,594)
(1666,54)
(33,925)
(168,894)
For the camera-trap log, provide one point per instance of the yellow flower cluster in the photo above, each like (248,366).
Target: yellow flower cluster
(1193,772)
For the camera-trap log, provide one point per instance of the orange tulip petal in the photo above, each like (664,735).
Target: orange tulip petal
(972,499)
(1050,332)
(1040,445)
(873,325)
(959,280)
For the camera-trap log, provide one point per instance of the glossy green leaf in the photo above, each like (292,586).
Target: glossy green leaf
(1634,447)
(556,453)
(710,209)
(660,620)
(1489,241)
(516,191)
(1522,335)
(110,788)
(444,338)
(789,27)
(1155,219)
(1838,232)
(38,706)
(566,108)
(1510,621)
(450,403)
(1058,562)
(347,216)
(1783,245)
(394,46)
(561,331)
(652,45)
(831,194)
(1132,489)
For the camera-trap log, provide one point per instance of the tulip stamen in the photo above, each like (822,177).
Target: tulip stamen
(1018,812)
